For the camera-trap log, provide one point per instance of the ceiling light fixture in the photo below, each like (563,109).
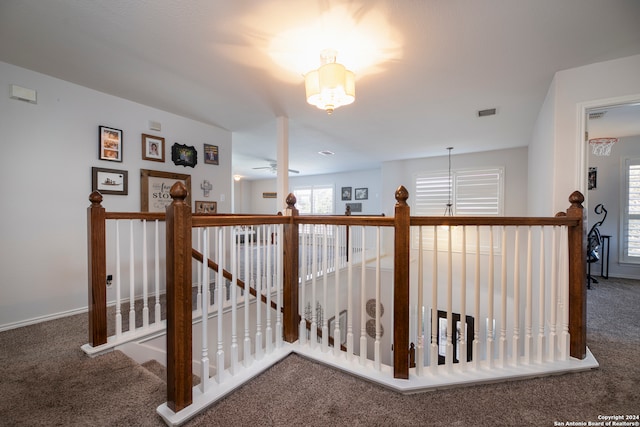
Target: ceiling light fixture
(330,86)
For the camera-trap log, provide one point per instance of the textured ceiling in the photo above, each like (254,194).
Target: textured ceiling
(439,62)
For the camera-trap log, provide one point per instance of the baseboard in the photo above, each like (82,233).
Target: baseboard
(40,319)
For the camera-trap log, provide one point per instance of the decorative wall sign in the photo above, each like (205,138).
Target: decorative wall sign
(211,154)
(269,195)
(183,155)
(110,144)
(354,207)
(152,148)
(155,187)
(109,181)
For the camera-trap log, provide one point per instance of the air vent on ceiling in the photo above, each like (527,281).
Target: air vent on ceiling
(487,112)
(596,115)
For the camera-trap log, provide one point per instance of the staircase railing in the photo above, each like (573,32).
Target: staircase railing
(536,335)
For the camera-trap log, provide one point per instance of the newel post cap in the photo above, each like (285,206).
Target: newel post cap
(291,201)
(95,198)
(178,192)
(401,196)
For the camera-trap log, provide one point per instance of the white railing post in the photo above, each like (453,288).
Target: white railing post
(145,278)
(476,324)
(156,264)
(503,298)
(433,360)
(118,283)
(377,355)
(220,303)
(246,358)
(132,283)
(234,303)
(528,337)
(420,329)
(516,300)
(302,329)
(491,325)
(258,276)
(204,278)
(542,284)
(462,342)
(350,294)
(363,298)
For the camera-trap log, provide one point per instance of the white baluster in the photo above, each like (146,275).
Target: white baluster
(200,278)
(376,345)
(541,300)
(476,324)
(259,351)
(420,329)
(156,263)
(433,360)
(302,328)
(350,295)
(132,283)
(490,318)
(221,285)
(325,269)
(516,300)
(246,359)
(269,280)
(234,303)
(462,341)
(279,281)
(564,297)
(528,338)
(336,328)
(204,358)
(118,281)
(450,325)
(314,275)
(554,294)
(363,299)
(503,306)
(145,277)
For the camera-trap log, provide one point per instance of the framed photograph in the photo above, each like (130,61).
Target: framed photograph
(354,207)
(593,178)
(155,189)
(206,207)
(362,193)
(110,144)
(152,148)
(457,335)
(346,193)
(211,154)
(343,327)
(109,181)
(183,155)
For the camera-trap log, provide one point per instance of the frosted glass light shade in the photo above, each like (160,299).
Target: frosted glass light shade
(330,86)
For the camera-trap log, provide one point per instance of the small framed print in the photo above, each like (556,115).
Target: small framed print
(109,181)
(110,144)
(346,193)
(354,207)
(362,193)
(206,207)
(211,154)
(155,187)
(152,148)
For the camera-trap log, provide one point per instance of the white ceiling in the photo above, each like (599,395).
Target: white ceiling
(444,61)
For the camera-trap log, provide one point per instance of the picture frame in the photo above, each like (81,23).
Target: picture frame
(442,337)
(152,148)
(211,154)
(155,187)
(354,207)
(346,193)
(184,155)
(342,318)
(362,193)
(110,181)
(206,207)
(110,144)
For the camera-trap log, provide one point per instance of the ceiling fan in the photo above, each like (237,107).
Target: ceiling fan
(273,168)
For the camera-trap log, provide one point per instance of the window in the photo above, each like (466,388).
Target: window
(631,213)
(474,192)
(315,200)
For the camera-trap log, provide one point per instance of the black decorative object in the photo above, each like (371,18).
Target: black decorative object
(184,155)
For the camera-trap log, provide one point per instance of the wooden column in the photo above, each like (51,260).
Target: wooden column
(179,357)
(291,317)
(577,278)
(401,286)
(97,253)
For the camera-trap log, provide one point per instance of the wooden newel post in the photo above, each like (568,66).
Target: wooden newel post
(179,358)
(577,278)
(97,253)
(401,286)
(291,317)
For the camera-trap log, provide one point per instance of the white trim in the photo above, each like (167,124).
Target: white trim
(34,320)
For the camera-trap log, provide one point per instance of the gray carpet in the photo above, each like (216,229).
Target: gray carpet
(46,380)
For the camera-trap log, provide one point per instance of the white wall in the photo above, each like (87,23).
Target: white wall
(369,179)
(570,89)
(49,149)
(608,191)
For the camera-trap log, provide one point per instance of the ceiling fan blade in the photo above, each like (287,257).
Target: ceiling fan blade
(293,171)
(263,167)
